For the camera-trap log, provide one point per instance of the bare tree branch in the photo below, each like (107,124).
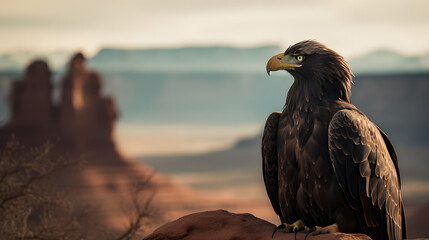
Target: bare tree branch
(141,210)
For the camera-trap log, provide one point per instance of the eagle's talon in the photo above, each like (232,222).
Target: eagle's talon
(297,229)
(281,226)
(310,231)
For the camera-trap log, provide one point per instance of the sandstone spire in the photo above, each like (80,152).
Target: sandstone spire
(82,123)
(30,99)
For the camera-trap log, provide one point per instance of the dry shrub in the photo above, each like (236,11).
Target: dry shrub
(30,208)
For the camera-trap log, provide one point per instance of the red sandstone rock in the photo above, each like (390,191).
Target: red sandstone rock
(80,127)
(86,117)
(30,99)
(81,124)
(223,225)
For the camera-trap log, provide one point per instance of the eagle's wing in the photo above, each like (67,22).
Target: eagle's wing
(367,172)
(270,161)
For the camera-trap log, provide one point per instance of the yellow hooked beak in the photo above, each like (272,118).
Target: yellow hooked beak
(281,62)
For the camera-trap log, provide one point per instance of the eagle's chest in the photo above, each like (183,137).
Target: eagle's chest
(304,147)
(304,158)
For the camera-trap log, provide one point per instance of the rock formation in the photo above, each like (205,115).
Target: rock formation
(32,112)
(224,225)
(83,121)
(80,126)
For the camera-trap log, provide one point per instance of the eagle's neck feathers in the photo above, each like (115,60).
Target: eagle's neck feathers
(307,100)
(314,89)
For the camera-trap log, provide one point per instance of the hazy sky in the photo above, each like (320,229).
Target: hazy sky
(350,27)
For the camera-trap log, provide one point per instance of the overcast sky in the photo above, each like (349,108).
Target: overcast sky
(350,27)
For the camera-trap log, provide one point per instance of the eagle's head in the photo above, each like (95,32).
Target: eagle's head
(312,63)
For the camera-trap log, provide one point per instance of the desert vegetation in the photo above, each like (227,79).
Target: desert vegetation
(33,207)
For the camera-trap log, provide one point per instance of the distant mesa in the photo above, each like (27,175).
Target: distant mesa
(214,59)
(180,60)
(81,123)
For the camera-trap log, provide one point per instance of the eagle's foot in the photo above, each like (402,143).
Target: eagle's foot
(321,230)
(295,227)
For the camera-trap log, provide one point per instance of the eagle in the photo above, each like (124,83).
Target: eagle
(326,167)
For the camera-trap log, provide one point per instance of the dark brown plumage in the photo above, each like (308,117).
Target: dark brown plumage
(324,162)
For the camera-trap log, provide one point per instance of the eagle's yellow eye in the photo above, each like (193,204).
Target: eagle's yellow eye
(300,58)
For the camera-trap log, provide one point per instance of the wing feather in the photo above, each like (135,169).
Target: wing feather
(366,168)
(270,161)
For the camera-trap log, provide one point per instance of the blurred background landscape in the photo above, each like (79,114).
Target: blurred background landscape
(189,84)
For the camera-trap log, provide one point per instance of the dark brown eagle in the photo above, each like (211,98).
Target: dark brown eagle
(326,167)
